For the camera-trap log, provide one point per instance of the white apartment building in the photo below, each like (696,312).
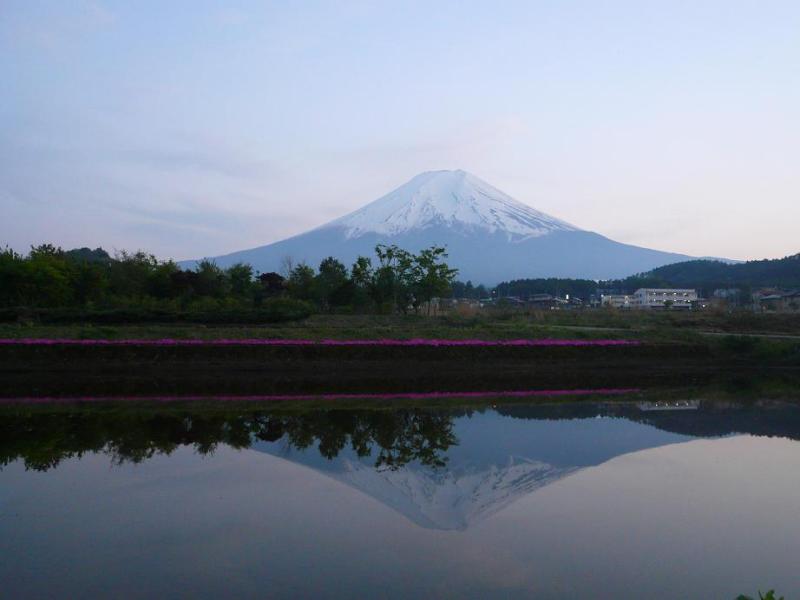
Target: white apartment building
(646,298)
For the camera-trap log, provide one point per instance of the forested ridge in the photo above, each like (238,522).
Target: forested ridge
(703,275)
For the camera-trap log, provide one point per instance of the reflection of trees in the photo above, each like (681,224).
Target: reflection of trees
(43,439)
(400,436)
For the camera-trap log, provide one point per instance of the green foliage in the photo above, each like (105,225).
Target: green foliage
(431,276)
(211,281)
(332,286)
(407,280)
(402,281)
(240,276)
(361,278)
(392,280)
(301,282)
(129,274)
(53,284)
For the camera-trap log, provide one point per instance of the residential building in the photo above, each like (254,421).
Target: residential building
(652,298)
(777,301)
(545,301)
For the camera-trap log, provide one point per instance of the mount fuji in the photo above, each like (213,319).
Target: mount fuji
(490,237)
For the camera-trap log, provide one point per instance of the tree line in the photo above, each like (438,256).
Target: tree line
(525,288)
(400,281)
(470,291)
(49,277)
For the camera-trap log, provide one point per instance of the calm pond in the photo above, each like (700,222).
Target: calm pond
(576,500)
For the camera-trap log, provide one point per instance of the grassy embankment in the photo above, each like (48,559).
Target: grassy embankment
(677,348)
(589,324)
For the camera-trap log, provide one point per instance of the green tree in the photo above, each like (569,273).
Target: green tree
(331,284)
(90,282)
(270,285)
(211,280)
(431,276)
(129,274)
(13,278)
(300,283)
(362,279)
(394,278)
(240,276)
(49,277)
(160,280)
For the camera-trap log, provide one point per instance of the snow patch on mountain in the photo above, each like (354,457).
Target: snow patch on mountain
(454,199)
(450,500)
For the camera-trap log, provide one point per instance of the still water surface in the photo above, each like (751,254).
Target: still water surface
(581,500)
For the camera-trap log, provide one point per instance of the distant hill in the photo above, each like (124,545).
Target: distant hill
(708,275)
(702,274)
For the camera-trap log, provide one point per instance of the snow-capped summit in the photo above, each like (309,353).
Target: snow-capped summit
(453,199)
(490,237)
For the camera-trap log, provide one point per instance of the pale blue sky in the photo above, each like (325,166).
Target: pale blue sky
(197,128)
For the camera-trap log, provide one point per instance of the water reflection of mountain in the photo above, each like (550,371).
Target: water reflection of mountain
(507,453)
(498,460)
(441,468)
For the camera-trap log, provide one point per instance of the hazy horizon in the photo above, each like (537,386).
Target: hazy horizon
(198,129)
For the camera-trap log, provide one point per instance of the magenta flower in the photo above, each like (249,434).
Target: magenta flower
(331,396)
(416,342)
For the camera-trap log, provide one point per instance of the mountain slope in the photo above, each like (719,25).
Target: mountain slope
(490,236)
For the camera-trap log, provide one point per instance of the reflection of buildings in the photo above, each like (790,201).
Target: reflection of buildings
(669,405)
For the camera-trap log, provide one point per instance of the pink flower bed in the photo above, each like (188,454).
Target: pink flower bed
(267,342)
(334,396)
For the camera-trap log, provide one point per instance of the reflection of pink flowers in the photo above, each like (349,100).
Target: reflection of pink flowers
(417,342)
(332,396)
